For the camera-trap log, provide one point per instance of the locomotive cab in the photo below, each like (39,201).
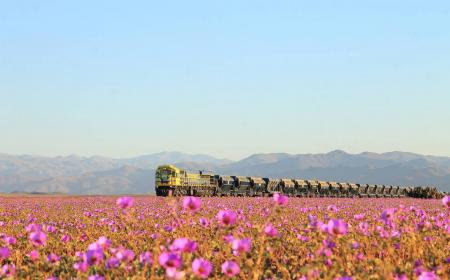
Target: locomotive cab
(167,179)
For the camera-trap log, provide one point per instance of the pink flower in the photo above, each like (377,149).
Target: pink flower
(65,238)
(191,203)
(87,214)
(228,238)
(337,227)
(33,255)
(230,268)
(446,201)
(173,274)
(125,255)
(4,253)
(53,258)
(226,217)
(359,217)
(183,245)
(10,240)
(170,260)
(201,268)
(280,199)
(146,258)
(51,229)
(125,202)
(80,266)
(112,262)
(8,270)
(388,215)
(269,230)
(427,275)
(38,238)
(240,246)
(400,277)
(332,208)
(93,257)
(103,242)
(33,227)
(204,222)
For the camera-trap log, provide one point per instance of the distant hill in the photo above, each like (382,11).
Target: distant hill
(92,175)
(102,175)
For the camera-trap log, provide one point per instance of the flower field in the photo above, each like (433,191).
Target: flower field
(246,238)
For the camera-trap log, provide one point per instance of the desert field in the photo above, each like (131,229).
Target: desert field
(248,238)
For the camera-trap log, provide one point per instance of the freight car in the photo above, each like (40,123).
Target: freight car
(173,181)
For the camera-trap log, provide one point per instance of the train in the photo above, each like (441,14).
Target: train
(173,181)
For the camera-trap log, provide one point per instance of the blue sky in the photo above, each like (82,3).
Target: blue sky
(226,78)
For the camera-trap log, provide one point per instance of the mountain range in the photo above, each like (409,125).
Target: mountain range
(102,175)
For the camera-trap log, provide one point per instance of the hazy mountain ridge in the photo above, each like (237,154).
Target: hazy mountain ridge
(103,175)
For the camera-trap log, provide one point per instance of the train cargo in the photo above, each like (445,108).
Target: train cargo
(173,181)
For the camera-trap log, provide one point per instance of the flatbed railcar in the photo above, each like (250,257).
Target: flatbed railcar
(173,181)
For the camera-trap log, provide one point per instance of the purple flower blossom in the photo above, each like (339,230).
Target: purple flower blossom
(280,199)
(125,255)
(87,214)
(400,277)
(33,255)
(201,268)
(33,227)
(226,217)
(65,238)
(38,238)
(8,270)
(332,208)
(53,258)
(93,257)
(183,245)
(388,215)
(269,230)
(427,275)
(312,220)
(446,201)
(359,217)
(51,229)
(303,238)
(228,238)
(170,260)
(80,266)
(191,203)
(230,268)
(337,227)
(204,222)
(125,202)
(240,246)
(4,253)
(112,262)
(173,274)
(146,258)
(10,240)
(103,242)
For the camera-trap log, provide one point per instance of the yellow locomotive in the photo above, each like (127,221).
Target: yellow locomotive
(170,180)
